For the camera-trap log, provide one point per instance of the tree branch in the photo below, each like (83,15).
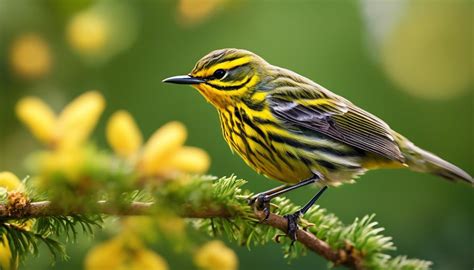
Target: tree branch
(344,256)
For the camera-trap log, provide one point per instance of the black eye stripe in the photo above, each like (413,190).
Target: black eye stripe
(211,77)
(231,87)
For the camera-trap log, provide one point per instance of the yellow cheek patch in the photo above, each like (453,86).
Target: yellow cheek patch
(224,65)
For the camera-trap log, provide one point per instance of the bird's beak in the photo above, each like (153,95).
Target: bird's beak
(183,79)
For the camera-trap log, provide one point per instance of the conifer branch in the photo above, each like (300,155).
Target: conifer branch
(357,246)
(48,209)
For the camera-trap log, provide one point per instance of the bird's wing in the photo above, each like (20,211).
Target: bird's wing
(340,120)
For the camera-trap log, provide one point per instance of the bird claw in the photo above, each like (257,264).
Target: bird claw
(262,203)
(292,225)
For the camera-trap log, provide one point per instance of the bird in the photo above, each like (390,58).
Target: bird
(291,129)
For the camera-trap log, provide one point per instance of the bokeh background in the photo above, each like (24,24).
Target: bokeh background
(408,62)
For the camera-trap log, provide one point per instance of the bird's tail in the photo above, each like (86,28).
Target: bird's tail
(420,160)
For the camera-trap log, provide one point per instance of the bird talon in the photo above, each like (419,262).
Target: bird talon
(292,225)
(261,202)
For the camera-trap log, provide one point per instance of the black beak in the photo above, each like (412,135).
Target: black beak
(183,79)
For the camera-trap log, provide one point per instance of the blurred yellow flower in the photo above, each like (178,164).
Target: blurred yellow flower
(215,255)
(123,253)
(186,159)
(78,118)
(30,56)
(192,12)
(429,53)
(163,154)
(123,134)
(68,162)
(9,181)
(38,116)
(5,255)
(88,32)
(165,141)
(70,128)
(102,30)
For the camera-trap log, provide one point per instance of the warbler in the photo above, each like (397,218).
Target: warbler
(291,129)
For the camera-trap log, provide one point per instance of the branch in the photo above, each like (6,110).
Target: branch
(221,207)
(47,209)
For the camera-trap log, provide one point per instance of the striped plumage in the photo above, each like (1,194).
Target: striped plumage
(289,128)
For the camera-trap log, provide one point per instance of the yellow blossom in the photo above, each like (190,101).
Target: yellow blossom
(70,128)
(165,141)
(79,117)
(9,181)
(147,259)
(88,32)
(193,12)
(163,155)
(67,161)
(106,255)
(214,255)
(187,159)
(123,134)
(5,255)
(38,117)
(123,253)
(30,56)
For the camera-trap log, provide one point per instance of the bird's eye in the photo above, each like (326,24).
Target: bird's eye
(219,74)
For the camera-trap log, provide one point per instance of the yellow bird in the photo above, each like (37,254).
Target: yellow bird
(294,130)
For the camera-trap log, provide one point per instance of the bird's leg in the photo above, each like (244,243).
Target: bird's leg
(293,218)
(262,200)
(260,196)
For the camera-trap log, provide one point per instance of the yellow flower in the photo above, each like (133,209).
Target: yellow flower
(193,12)
(187,159)
(123,134)
(164,142)
(5,255)
(38,117)
(88,32)
(9,181)
(30,56)
(78,118)
(68,162)
(163,154)
(103,30)
(214,255)
(123,253)
(71,128)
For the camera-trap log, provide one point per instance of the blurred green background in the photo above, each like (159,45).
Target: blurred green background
(408,62)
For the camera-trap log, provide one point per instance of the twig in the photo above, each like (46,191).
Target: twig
(45,208)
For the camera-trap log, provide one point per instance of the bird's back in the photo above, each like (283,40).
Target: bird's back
(289,128)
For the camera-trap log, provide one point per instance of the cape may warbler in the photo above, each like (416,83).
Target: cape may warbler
(292,129)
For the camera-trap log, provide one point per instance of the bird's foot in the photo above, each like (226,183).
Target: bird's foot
(262,203)
(292,225)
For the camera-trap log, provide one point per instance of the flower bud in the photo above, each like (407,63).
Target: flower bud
(123,134)
(78,118)
(214,255)
(30,56)
(9,181)
(38,117)
(162,145)
(188,159)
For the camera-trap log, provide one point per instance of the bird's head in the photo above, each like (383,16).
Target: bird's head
(225,76)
